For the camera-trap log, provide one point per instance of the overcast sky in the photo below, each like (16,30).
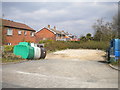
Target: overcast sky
(73,17)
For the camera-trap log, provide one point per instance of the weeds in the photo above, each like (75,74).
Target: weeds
(60,45)
(8,48)
(10,57)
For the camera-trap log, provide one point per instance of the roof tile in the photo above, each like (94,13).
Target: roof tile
(15,24)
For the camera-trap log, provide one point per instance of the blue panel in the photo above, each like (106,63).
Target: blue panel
(117,53)
(116,44)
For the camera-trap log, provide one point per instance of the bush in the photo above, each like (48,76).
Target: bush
(8,48)
(45,41)
(10,56)
(60,45)
(55,45)
(95,45)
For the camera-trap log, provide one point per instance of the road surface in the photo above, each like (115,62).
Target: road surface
(59,73)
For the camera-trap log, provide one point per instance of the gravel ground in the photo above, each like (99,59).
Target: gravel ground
(83,54)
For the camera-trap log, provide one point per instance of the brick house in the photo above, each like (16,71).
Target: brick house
(48,33)
(14,32)
(73,37)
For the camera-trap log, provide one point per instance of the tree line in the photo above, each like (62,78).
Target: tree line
(104,31)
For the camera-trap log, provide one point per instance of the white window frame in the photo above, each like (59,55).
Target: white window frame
(9,31)
(32,34)
(9,44)
(19,32)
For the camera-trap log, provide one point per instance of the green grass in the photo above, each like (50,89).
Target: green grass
(117,63)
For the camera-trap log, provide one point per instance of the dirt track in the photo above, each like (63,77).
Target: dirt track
(82,54)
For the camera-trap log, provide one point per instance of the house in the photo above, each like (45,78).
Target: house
(48,33)
(73,37)
(14,32)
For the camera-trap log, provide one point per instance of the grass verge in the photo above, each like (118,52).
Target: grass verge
(4,60)
(10,57)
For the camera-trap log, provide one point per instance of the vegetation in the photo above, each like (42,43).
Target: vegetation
(88,37)
(8,56)
(8,48)
(115,63)
(51,45)
(10,60)
(106,31)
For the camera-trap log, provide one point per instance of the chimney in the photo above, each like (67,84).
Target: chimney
(54,27)
(49,26)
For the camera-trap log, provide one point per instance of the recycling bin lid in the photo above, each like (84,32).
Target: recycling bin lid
(24,43)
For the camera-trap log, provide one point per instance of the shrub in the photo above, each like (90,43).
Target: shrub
(46,41)
(10,56)
(55,45)
(8,48)
(60,45)
(95,45)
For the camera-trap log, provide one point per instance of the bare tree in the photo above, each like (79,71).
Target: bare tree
(105,31)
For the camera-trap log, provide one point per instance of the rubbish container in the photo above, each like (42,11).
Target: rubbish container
(32,44)
(25,51)
(114,50)
(43,53)
(24,43)
(40,45)
(29,50)
(37,52)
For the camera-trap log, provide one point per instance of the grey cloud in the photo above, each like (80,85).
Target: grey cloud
(72,17)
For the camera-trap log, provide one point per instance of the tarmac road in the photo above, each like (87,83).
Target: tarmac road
(56,73)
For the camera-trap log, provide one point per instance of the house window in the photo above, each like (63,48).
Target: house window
(8,43)
(57,35)
(25,33)
(9,31)
(32,33)
(19,32)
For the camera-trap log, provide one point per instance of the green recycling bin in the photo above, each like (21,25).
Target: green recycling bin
(24,50)
(24,43)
